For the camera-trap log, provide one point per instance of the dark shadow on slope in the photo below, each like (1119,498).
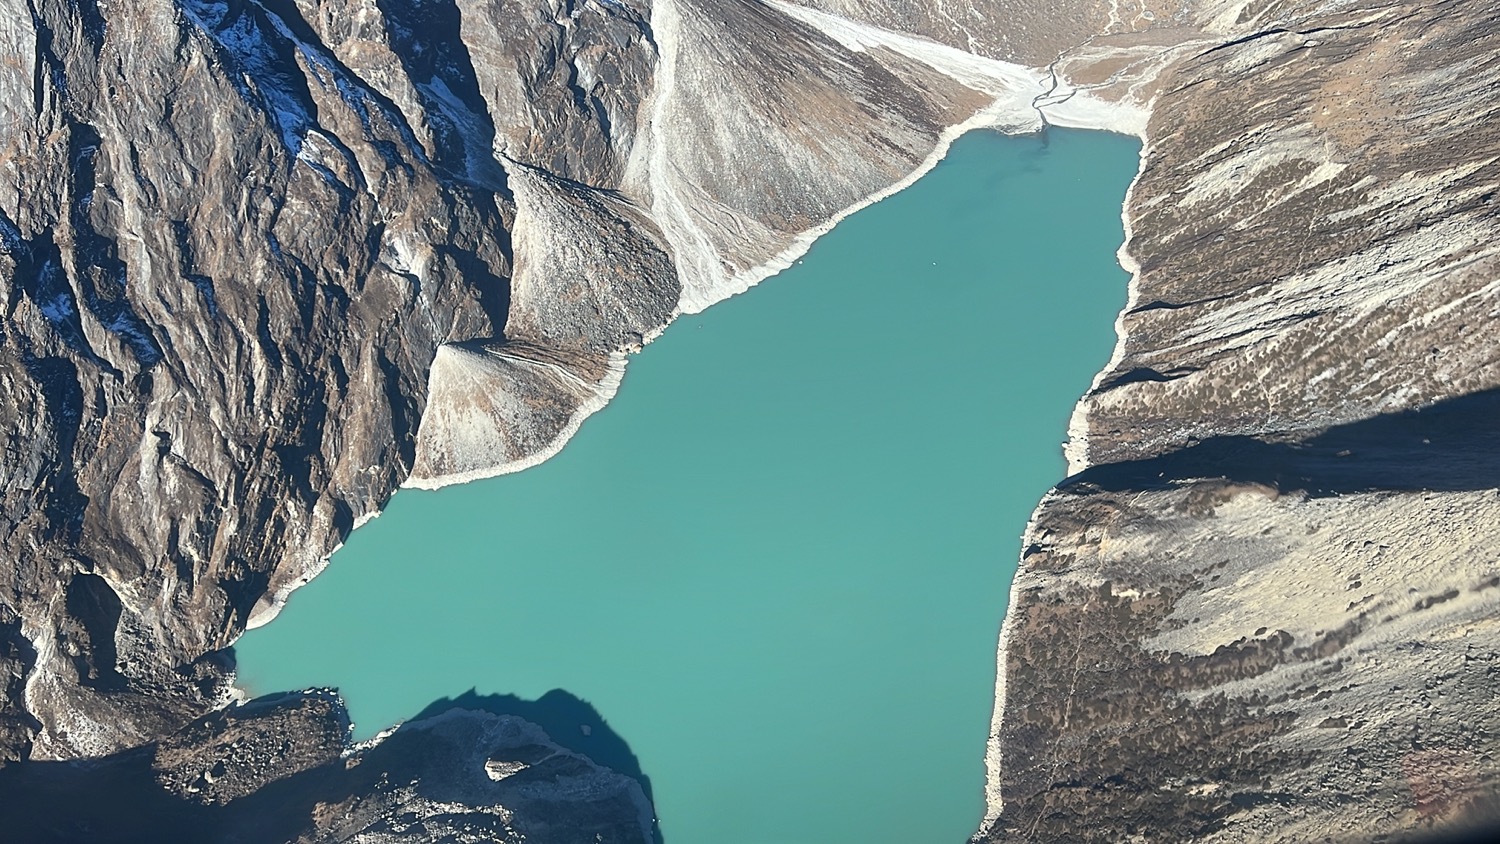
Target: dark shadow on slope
(1450,446)
(428,41)
(570,721)
(101,275)
(1487,834)
(122,798)
(281,766)
(110,800)
(1474,820)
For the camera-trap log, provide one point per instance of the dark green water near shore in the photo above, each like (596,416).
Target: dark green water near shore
(777,563)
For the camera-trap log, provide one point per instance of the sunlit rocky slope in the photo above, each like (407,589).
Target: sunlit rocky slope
(263,262)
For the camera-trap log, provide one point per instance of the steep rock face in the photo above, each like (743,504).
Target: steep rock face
(1265,609)
(264,260)
(216,244)
(17,726)
(763,127)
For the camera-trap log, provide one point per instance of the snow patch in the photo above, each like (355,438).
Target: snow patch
(10,237)
(264,78)
(472,129)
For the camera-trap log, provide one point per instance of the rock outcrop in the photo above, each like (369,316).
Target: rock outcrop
(278,769)
(263,261)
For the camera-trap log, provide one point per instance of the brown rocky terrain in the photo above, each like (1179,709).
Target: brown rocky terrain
(263,261)
(1266,608)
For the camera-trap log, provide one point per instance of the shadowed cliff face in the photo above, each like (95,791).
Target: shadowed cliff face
(571,722)
(275,770)
(1450,446)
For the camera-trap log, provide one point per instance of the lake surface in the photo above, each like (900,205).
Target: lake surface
(778,562)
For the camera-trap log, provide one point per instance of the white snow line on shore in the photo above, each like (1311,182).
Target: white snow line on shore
(1014,111)
(261,615)
(783,260)
(600,395)
(1076,449)
(993,800)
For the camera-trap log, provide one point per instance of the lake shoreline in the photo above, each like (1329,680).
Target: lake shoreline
(790,543)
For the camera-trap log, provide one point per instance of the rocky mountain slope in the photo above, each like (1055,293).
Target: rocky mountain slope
(262,261)
(278,770)
(1266,609)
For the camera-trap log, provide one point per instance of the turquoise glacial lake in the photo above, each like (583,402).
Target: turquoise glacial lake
(776,565)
